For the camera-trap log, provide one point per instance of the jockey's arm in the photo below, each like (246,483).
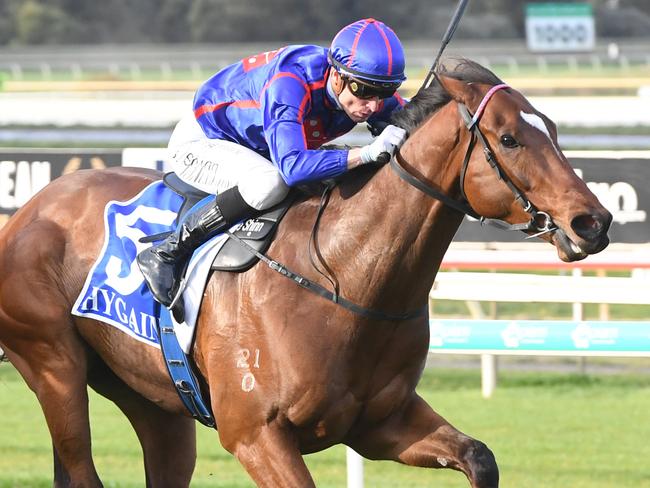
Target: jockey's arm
(284,104)
(354,158)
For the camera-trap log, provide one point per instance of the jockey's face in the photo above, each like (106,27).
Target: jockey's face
(358,109)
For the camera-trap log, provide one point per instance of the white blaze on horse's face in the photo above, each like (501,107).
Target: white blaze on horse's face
(537,122)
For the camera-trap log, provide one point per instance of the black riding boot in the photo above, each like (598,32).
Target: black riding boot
(162,265)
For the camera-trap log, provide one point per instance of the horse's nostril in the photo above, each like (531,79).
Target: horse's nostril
(587,226)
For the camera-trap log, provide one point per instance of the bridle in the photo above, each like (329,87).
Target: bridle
(540,222)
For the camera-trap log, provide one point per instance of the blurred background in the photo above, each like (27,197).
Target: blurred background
(96,84)
(116,65)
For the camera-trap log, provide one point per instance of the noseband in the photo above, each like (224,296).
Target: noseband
(540,222)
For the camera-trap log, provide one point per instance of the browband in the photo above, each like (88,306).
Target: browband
(486,99)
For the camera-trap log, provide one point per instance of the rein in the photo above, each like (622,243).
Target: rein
(471,122)
(540,222)
(324,292)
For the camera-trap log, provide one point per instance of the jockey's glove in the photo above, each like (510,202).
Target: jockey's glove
(388,141)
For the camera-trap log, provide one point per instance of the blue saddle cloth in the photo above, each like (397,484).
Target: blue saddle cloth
(115,291)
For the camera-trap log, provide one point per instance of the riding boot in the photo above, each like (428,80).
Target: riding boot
(162,265)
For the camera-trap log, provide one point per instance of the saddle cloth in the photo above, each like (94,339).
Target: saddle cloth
(115,291)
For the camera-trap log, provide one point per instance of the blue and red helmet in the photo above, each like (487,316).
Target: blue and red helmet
(370,52)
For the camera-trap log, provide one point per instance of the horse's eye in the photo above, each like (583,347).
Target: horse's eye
(508,141)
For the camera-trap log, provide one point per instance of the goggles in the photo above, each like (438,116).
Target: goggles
(367,91)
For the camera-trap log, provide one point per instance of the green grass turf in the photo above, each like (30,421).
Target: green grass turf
(546,430)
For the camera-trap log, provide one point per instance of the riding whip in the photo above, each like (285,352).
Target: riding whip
(451,28)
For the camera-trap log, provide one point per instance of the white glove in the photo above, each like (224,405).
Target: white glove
(388,141)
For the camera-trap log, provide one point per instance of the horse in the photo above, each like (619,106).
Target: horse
(323,374)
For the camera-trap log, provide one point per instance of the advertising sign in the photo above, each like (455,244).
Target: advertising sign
(23,174)
(540,336)
(560,27)
(619,180)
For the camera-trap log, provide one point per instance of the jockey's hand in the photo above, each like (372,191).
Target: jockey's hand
(388,141)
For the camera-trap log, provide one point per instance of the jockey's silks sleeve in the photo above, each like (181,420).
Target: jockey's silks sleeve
(276,104)
(285,102)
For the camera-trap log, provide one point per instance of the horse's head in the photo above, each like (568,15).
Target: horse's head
(510,165)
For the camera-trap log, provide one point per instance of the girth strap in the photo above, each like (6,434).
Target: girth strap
(180,371)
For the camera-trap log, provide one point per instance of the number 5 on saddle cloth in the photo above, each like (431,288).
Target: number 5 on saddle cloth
(115,292)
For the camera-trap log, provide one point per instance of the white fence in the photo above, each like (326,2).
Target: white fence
(134,60)
(510,287)
(490,338)
(473,287)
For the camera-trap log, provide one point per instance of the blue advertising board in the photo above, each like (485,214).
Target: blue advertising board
(539,337)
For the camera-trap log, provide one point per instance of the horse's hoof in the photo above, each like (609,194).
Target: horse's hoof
(483,466)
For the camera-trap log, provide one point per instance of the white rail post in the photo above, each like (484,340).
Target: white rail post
(488,361)
(579,316)
(488,374)
(355,468)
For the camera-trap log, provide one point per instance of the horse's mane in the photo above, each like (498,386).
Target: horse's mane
(426,102)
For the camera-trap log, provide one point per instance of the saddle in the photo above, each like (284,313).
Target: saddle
(257,232)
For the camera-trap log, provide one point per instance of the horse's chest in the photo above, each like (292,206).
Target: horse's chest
(326,414)
(326,422)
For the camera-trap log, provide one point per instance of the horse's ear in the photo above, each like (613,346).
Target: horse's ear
(337,81)
(461,91)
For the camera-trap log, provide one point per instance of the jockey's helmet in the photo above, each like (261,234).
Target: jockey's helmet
(370,53)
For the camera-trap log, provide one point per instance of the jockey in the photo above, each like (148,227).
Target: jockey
(257,126)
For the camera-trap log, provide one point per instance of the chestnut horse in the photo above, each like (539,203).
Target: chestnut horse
(323,375)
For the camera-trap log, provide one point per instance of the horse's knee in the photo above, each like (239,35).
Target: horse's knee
(482,466)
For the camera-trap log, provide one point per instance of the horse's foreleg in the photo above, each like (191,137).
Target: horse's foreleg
(168,440)
(418,436)
(61,477)
(271,457)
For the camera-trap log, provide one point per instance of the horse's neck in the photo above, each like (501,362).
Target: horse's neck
(392,237)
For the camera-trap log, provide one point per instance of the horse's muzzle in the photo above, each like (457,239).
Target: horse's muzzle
(588,235)
(592,231)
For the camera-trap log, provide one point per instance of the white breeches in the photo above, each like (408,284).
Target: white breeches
(214,165)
